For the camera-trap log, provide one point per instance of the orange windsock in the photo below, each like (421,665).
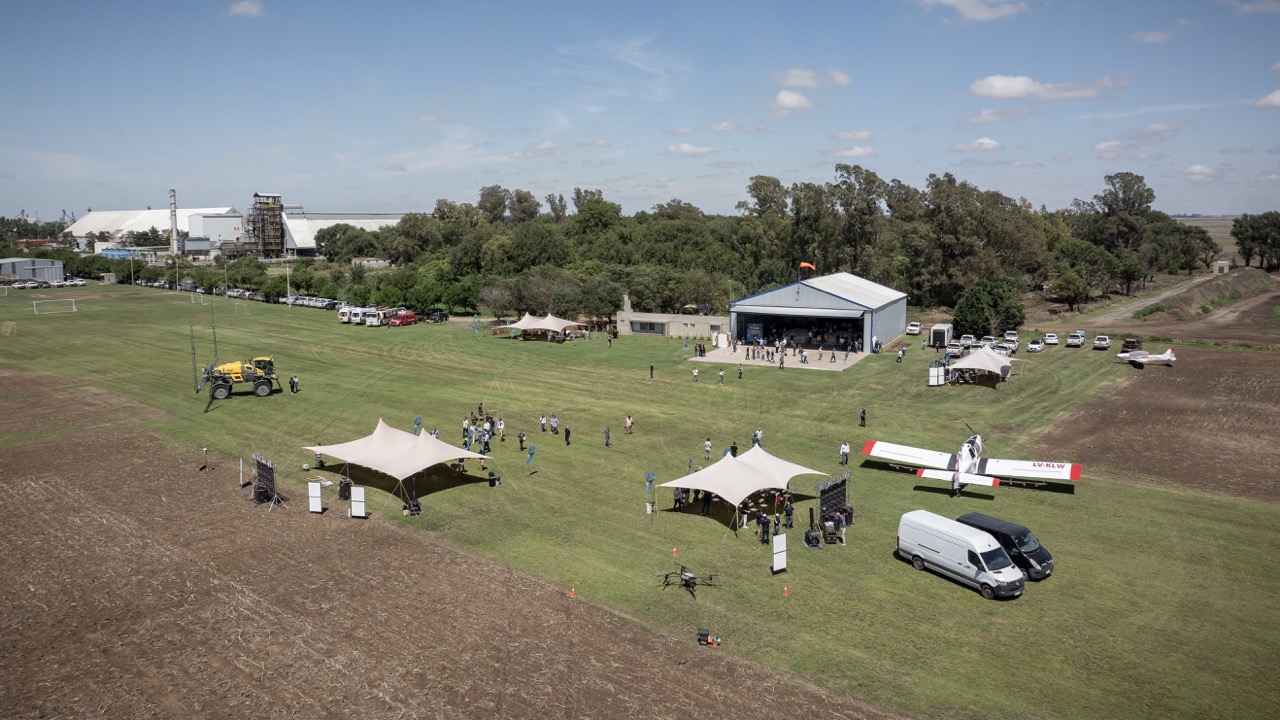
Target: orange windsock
(809,266)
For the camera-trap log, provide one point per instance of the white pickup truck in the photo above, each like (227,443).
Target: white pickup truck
(1076,338)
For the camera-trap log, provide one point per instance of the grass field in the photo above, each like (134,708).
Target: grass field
(1162,604)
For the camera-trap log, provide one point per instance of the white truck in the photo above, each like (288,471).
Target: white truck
(1076,338)
(960,552)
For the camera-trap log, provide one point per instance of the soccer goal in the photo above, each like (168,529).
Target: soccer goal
(198,299)
(9,328)
(49,307)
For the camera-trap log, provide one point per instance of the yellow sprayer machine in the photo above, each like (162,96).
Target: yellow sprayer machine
(260,373)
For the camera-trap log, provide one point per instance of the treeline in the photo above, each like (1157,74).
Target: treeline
(932,242)
(510,251)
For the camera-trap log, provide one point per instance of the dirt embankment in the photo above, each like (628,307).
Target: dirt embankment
(1204,298)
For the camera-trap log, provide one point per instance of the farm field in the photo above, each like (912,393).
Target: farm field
(1145,552)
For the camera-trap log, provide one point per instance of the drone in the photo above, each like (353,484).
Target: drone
(687,579)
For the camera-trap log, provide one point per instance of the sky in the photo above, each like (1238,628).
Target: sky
(387,106)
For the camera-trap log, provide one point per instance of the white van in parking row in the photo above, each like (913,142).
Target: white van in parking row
(960,552)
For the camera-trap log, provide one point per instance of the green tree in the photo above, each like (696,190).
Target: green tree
(557,206)
(522,206)
(989,307)
(1071,289)
(493,203)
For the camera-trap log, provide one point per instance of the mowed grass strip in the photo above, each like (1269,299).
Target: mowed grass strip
(1162,605)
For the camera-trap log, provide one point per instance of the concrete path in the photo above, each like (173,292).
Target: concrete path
(728,356)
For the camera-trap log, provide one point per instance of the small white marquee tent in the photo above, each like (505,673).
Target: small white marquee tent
(985,359)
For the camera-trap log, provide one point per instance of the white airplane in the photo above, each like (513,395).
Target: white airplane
(967,466)
(1142,357)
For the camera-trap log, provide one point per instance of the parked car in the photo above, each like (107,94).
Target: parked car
(913,328)
(1075,339)
(1011,335)
(954,349)
(437,316)
(1102,342)
(404,318)
(987,341)
(1004,347)
(1035,345)
(968,341)
(1130,344)
(1050,339)
(1020,543)
(960,552)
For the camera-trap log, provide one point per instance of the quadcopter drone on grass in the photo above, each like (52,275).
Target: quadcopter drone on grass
(687,580)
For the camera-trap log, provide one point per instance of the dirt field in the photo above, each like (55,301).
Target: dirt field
(136,586)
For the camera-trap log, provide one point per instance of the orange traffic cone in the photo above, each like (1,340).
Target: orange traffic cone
(573,592)
(785,591)
(673,552)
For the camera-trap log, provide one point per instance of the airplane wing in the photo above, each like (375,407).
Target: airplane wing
(909,455)
(1030,469)
(965,478)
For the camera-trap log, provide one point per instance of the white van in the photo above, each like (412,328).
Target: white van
(344,314)
(960,552)
(361,314)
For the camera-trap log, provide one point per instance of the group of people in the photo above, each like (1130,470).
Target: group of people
(684,498)
(781,520)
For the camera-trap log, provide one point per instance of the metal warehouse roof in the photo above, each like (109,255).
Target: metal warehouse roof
(836,293)
(119,222)
(302,228)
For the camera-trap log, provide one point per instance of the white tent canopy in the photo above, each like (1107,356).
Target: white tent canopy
(394,452)
(550,323)
(984,358)
(736,479)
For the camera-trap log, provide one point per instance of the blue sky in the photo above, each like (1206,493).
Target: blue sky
(388,106)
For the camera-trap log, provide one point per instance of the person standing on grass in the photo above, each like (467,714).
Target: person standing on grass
(566,433)
(695,374)
(739,371)
(542,422)
(627,426)
(722,377)
(650,371)
(862,418)
(502,431)
(521,438)
(606,436)
(844,453)
(555,424)
(707,447)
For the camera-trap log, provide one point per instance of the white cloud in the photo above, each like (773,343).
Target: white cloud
(686,130)
(248,8)
(1107,145)
(601,143)
(728,126)
(1276,66)
(1200,173)
(622,68)
(395,167)
(797,77)
(988,116)
(807,78)
(982,144)
(1270,101)
(1273,177)
(1153,36)
(1257,6)
(688,150)
(789,101)
(856,151)
(546,148)
(429,119)
(981,10)
(855,135)
(1021,87)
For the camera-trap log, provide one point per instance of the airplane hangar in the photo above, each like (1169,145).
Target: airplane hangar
(844,303)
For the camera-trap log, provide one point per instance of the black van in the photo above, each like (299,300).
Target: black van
(1023,547)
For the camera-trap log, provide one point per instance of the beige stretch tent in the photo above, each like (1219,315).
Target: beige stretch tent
(985,359)
(736,479)
(395,452)
(550,323)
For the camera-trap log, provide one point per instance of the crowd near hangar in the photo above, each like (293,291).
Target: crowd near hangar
(842,303)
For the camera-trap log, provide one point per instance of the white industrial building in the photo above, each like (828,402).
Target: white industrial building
(218,226)
(854,305)
(18,269)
